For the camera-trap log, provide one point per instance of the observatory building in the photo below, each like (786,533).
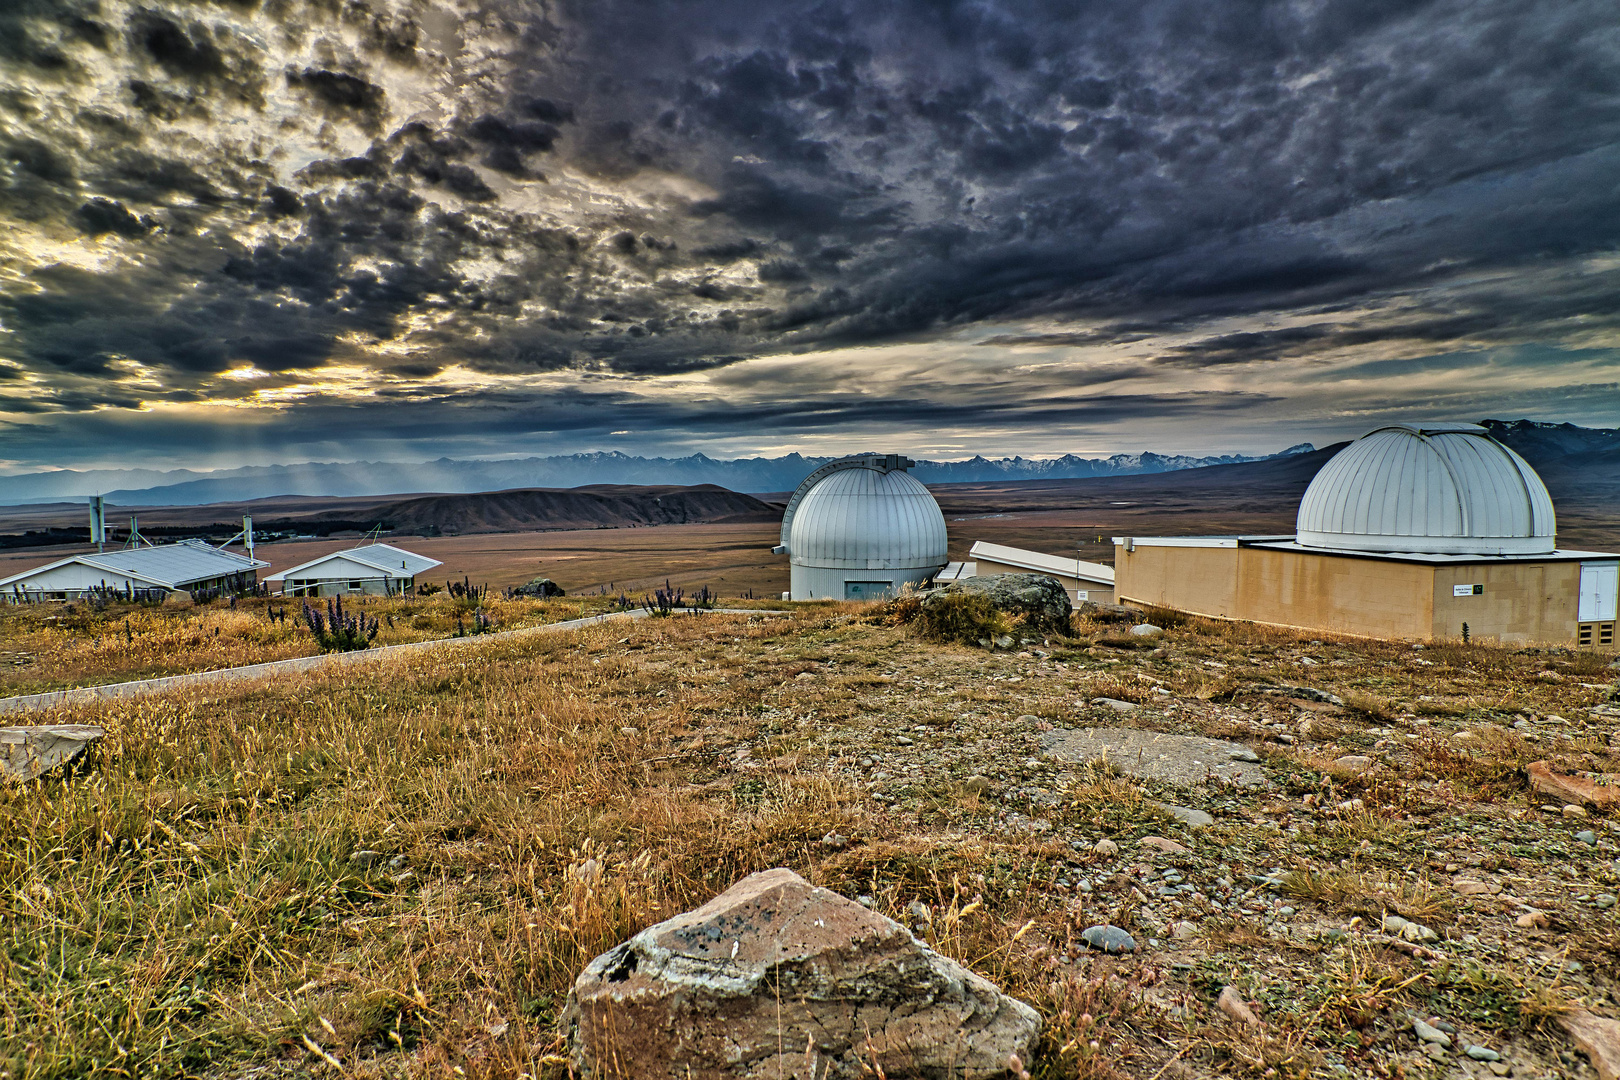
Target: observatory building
(859,528)
(1411,531)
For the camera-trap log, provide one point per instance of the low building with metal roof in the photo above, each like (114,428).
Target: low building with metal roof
(370,569)
(189,566)
(1082,580)
(1412,531)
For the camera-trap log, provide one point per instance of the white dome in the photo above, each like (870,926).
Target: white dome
(1446,489)
(866,519)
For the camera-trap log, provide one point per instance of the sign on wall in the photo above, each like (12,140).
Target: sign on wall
(1468,590)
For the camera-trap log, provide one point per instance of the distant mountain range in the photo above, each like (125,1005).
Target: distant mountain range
(184,487)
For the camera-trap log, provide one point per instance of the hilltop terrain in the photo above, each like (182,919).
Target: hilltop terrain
(401,872)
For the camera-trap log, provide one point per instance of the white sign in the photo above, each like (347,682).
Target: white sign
(1468,590)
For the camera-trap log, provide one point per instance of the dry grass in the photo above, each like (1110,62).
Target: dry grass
(51,646)
(404,867)
(411,867)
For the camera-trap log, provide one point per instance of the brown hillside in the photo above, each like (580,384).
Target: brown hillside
(601,506)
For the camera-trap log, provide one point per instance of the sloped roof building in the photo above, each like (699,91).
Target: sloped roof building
(377,569)
(189,566)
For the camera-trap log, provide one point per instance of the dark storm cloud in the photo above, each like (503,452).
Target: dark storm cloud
(1383,174)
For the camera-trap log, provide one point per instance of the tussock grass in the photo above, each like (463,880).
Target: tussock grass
(404,868)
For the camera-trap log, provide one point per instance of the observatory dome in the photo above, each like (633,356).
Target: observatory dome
(860,528)
(1447,489)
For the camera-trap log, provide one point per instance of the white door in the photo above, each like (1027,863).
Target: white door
(1598,583)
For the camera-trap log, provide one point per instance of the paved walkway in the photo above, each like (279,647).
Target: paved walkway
(28,703)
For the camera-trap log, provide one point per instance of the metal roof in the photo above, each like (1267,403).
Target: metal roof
(173,566)
(1038,561)
(390,561)
(1428,488)
(868,513)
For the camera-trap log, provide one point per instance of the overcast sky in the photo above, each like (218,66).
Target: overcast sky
(248,232)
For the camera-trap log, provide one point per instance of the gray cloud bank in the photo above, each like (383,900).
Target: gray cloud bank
(626,191)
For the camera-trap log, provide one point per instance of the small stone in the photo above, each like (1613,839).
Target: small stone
(1574,811)
(1603,901)
(1232,1004)
(1164,845)
(978,785)
(1499,1068)
(630,731)
(1435,1051)
(1108,938)
(1430,1034)
(919,911)
(364,859)
(1587,836)
(1116,704)
(1483,1053)
(1027,718)
(1407,930)
(1147,629)
(1244,754)
(1197,819)
(901,740)
(1471,888)
(1106,848)
(1182,930)
(1353,763)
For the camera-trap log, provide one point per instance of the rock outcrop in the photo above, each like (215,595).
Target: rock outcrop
(1592,789)
(1598,1037)
(1039,601)
(542,588)
(777,978)
(1109,613)
(26,752)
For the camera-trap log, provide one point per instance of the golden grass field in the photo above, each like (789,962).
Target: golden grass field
(54,646)
(397,871)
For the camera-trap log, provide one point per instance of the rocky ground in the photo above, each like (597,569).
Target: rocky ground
(1217,850)
(1340,830)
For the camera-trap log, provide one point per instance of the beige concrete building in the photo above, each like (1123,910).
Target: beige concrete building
(1412,531)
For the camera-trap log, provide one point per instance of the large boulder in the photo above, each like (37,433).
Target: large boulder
(777,978)
(1040,600)
(26,752)
(542,588)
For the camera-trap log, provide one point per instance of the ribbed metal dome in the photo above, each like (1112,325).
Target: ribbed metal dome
(1447,489)
(863,519)
(861,527)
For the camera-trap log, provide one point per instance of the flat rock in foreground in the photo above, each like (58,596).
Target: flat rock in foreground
(1154,755)
(777,978)
(26,752)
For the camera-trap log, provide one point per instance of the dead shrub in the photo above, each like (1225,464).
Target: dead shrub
(963,617)
(1166,618)
(1370,706)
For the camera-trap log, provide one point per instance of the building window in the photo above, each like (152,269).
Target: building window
(354,586)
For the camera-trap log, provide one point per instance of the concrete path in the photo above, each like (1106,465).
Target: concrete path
(28,703)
